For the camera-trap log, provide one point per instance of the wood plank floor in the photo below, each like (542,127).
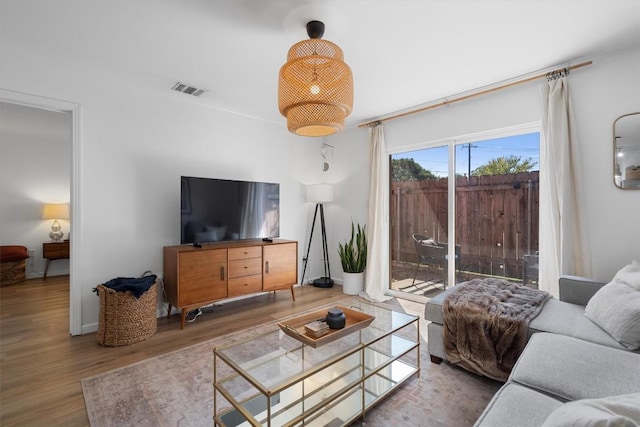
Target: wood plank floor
(41,365)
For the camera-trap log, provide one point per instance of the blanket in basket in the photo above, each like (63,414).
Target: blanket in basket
(486,324)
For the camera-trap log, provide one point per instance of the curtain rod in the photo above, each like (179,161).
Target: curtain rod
(472,95)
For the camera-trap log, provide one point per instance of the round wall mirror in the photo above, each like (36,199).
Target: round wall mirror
(626,151)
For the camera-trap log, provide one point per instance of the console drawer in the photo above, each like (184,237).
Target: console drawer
(245,252)
(244,285)
(245,267)
(55,250)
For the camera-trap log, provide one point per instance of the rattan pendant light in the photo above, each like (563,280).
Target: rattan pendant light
(315,88)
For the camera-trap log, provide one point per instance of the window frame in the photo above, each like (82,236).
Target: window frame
(452,143)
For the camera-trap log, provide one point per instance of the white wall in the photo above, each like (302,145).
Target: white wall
(135,146)
(600,93)
(35,168)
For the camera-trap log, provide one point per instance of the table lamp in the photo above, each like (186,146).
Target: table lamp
(55,211)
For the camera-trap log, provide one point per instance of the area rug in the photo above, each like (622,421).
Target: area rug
(175,389)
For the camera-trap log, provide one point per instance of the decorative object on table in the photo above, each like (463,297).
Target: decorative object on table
(319,194)
(127,310)
(336,319)
(353,256)
(317,328)
(296,327)
(315,86)
(55,211)
(13,264)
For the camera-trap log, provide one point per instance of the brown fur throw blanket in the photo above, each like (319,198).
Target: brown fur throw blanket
(486,324)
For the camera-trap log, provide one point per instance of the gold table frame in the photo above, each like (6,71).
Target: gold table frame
(275,380)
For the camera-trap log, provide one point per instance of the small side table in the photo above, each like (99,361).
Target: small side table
(52,251)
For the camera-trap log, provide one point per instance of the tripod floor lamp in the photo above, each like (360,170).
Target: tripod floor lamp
(319,194)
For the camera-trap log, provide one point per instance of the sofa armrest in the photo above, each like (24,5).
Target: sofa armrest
(578,290)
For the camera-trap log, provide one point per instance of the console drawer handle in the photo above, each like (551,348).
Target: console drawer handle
(266,267)
(221,273)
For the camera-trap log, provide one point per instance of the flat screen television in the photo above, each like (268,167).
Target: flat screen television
(214,210)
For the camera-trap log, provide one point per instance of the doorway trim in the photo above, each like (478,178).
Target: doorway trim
(75,110)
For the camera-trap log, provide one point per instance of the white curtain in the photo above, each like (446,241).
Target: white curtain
(377,272)
(564,246)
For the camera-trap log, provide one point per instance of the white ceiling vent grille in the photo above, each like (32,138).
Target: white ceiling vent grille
(188,89)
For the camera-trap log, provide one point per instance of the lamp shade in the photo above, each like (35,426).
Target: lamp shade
(55,211)
(315,87)
(319,193)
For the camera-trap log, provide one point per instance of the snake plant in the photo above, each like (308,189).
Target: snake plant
(353,254)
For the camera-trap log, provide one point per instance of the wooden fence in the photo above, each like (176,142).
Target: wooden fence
(496,220)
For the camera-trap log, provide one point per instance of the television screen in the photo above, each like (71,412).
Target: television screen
(213,210)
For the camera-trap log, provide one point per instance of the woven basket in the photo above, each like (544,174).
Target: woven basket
(125,319)
(12,272)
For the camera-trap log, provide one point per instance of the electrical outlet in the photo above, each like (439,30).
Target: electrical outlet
(32,253)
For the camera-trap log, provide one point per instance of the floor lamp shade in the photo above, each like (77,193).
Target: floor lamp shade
(320,193)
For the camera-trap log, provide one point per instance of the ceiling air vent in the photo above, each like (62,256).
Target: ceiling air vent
(188,89)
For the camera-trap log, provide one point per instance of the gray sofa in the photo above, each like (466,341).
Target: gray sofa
(556,369)
(567,359)
(563,316)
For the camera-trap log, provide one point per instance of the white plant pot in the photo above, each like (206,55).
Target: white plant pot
(353,283)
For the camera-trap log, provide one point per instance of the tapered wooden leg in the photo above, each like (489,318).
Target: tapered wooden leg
(183,318)
(293,295)
(435,359)
(169,311)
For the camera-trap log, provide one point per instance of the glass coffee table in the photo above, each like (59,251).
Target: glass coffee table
(277,380)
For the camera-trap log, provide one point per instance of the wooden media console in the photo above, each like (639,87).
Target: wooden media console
(195,277)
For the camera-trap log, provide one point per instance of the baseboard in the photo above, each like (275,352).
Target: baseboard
(161,311)
(89,328)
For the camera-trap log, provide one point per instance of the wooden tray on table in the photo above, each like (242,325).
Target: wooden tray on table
(356,320)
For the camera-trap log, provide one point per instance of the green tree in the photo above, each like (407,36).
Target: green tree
(409,170)
(503,165)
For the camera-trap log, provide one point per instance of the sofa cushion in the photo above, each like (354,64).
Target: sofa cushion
(568,319)
(13,253)
(515,405)
(630,274)
(613,411)
(569,368)
(616,307)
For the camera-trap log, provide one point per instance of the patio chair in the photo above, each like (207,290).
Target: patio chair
(430,252)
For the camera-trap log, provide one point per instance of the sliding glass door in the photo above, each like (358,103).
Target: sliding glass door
(419,221)
(463,210)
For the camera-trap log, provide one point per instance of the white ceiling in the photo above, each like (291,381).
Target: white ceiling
(402,53)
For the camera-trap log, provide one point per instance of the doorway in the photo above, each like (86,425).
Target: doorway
(73,111)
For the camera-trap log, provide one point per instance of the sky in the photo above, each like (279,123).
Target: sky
(526,146)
